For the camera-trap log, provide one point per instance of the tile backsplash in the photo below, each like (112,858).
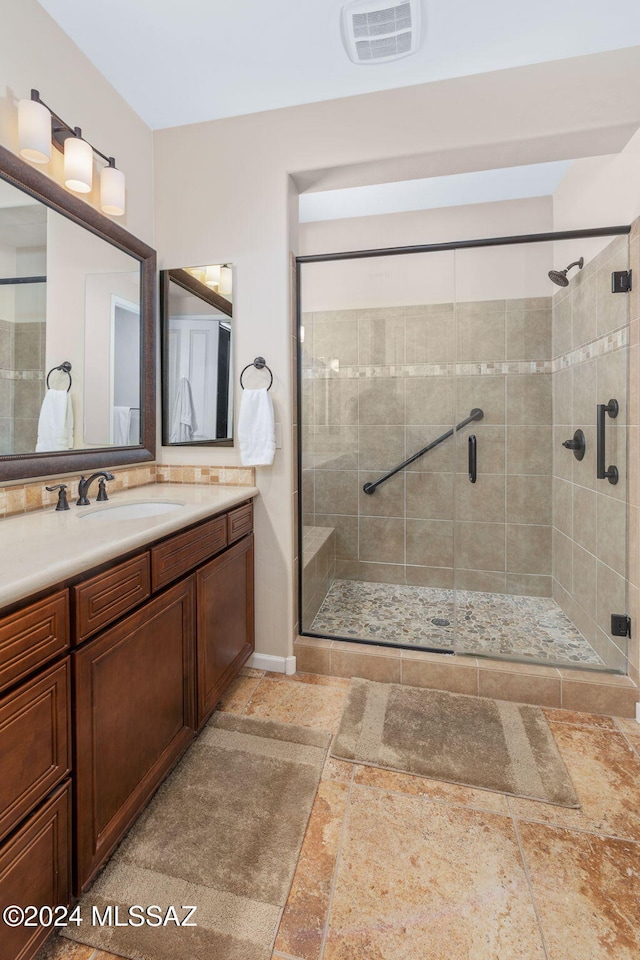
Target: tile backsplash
(24,498)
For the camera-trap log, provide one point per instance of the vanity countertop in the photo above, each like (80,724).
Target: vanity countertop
(46,547)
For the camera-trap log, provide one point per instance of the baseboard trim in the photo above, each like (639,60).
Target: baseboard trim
(265,661)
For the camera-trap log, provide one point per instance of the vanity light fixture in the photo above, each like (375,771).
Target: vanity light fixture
(224,288)
(212,276)
(39,127)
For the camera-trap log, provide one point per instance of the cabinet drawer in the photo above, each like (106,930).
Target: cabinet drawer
(35,869)
(182,553)
(239,522)
(32,636)
(107,596)
(34,743)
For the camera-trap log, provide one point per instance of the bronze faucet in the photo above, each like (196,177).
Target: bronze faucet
(85,483)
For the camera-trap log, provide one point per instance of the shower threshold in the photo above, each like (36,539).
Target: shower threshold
(475,623)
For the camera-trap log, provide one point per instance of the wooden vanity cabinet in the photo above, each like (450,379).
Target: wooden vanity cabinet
(123,664)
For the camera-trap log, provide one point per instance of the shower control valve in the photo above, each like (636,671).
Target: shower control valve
(577,443)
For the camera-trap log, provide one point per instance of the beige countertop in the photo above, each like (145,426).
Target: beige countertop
(38,550)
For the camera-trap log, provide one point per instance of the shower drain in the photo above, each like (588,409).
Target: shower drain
(440,622)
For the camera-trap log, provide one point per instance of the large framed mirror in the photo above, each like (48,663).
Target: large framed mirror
(77,332)
(197,386)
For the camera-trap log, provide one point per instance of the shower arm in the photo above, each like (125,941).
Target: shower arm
(476,414)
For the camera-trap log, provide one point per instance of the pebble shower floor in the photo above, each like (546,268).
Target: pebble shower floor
(489,624)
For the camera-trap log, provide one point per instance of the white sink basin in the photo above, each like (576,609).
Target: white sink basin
(132,511)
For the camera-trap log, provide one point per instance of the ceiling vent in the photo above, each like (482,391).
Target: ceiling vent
(376,31)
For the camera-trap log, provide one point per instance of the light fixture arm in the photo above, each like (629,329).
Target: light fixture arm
(60,130)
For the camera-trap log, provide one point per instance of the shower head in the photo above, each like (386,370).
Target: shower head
(560,276)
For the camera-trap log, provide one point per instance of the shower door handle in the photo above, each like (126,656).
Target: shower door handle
(473,458)
(602,409)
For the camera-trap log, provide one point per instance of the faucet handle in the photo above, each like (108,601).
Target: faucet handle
(63,503)
(82,500)
(102,490)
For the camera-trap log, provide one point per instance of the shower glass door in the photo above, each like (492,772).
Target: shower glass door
(540,542)
(377,381)
(457,444)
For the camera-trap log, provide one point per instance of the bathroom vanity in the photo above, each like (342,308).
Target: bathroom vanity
(106,675)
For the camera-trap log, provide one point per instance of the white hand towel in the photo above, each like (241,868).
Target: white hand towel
(55,425)
(121,426)
(256,430)
(183,417)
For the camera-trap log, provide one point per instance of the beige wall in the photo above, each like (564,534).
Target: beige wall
(35,52)
(598,191)
(428,278)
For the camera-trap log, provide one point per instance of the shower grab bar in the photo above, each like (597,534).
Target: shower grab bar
(602,473)
(476,414)
(473,458)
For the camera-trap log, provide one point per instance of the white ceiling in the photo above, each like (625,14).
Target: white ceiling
(179,63)
(484,186)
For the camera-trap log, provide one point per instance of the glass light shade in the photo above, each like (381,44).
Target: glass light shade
(78,165)
(112,191)
(225,282)
(34,131)
(212,275)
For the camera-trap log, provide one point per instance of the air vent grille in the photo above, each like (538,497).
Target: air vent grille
(385,47)
(373,31)
(378,22)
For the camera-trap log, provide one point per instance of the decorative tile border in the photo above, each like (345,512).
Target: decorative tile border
(183,473)
(21,375)
(596,348)
(421,370)
(27,497)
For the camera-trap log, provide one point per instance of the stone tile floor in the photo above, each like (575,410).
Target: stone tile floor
(396,867)
(495,624)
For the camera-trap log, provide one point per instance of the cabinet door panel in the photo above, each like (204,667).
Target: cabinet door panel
(35,870)
(225,622)
(33,636)
(134,717)
(34,743)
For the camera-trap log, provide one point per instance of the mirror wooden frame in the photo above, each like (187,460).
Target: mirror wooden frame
(184,279)
(19,466)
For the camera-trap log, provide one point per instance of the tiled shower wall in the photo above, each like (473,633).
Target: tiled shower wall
(22,358)
(590,350)
(380,384)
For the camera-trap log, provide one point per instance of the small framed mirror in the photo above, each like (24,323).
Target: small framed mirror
(197,386)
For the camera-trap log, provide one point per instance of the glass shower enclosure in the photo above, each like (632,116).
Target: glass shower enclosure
(463,448)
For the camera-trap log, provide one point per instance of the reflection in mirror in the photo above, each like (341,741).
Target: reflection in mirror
(23,269)
(112,358)
(66,297)
(197,384)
